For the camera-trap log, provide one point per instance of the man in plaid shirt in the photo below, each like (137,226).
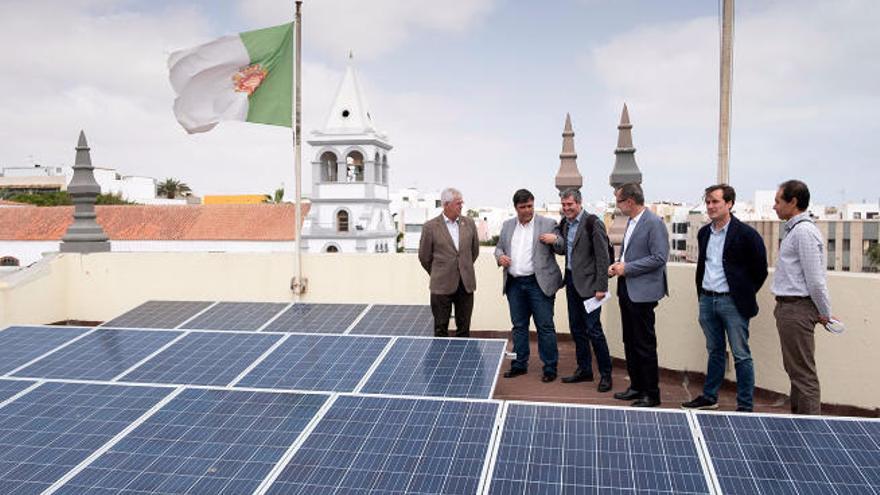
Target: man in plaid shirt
(801,294)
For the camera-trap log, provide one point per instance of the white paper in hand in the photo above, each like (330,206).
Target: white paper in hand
(592,304)
(835,326)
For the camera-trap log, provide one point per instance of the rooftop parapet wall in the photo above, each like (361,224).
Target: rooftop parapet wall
(99,286)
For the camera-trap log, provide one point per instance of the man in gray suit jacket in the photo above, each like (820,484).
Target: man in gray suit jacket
(531,279)
(582,239)
(642,282)
(447,251)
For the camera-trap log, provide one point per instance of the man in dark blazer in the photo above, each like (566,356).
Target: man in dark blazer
(531,279)
(641,283)
(582,239)
(731,268)
(447,251)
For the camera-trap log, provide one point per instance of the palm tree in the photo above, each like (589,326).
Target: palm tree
(276,198)
(172,188)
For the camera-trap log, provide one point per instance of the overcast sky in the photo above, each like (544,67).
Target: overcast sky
(472,93)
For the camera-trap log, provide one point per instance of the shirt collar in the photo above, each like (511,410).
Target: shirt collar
(638,217)
(448,220)
(805,216)
(527,224)
(577,218)
(722,229)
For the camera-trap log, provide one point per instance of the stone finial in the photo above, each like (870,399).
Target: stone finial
(84,235)
(568,176)
(625,168)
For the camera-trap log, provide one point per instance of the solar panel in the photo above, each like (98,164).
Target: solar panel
(438,368)
(19,345)
(100,355)
(553,449)
(317,362)
(242,316)
(51,429)
(203,358)
(782,454)
(396,319)
(8,388)
(158,314)
(202,441)
(386,445)
(316,318)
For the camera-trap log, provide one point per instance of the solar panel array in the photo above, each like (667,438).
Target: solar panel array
(159,314)
(316,318)
(438,368)
(299,407)
(396,319)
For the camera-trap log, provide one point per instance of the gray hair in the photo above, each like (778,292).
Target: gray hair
(449,194)
(571,193)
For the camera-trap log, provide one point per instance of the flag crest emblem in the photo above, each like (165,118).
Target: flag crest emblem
(248,79)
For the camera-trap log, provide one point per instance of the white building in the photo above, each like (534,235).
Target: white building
(350,203)
(39,178)
(410,209)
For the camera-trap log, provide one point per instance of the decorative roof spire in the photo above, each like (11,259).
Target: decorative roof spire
(350,112)
(625,168)
(568,176)
(84,235)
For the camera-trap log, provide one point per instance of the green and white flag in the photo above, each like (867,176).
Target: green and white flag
(246,77)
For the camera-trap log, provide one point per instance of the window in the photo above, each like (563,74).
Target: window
(9,261)
(830,255)
(331,249)
(342,221)
(328,167)
(354,163)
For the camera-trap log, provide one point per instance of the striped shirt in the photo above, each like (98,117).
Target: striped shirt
(800,267)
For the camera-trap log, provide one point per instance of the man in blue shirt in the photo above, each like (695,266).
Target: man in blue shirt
(731,268)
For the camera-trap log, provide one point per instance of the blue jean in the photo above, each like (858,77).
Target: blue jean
(586,329)
(526,300)
(718,315)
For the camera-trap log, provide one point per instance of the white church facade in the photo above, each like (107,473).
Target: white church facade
(350,204)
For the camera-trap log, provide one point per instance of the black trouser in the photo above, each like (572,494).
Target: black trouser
(639,342)
(441,307)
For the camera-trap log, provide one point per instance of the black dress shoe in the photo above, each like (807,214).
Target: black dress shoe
(628,394)
(604,384)
(512,372)
(646,401)
(548,377)
(578,376)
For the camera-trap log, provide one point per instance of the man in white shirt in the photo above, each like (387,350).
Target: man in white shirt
(801,294)
(531,279)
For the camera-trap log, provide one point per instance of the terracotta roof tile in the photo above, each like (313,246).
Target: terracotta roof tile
(257,222)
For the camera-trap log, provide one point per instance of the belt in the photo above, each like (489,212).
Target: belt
(522,276)
(789,299)
(713,293)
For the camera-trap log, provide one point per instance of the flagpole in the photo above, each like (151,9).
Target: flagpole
(298,284)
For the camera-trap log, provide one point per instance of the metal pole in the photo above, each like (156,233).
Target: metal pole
(726,69)
(298,284)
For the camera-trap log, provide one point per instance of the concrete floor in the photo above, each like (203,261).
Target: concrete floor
(675,386)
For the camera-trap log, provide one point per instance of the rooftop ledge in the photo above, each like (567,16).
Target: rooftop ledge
(97,287)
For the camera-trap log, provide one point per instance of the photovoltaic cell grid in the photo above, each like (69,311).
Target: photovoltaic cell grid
(19,345)
(158,314)
(317,362)
(209,358)
(202,441)
(438,368)
(386,445)
(242,316)
(51,429)
(393,319)
(100,355)
(316,318)
(573,450)
(764,454)
(8,388)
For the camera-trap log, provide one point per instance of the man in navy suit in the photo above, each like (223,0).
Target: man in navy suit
(641,283)
(731,268)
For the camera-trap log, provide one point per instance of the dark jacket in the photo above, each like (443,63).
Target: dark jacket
(589,263)
(744,261)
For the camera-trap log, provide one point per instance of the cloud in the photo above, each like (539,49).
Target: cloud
(370,28)
(801,87)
